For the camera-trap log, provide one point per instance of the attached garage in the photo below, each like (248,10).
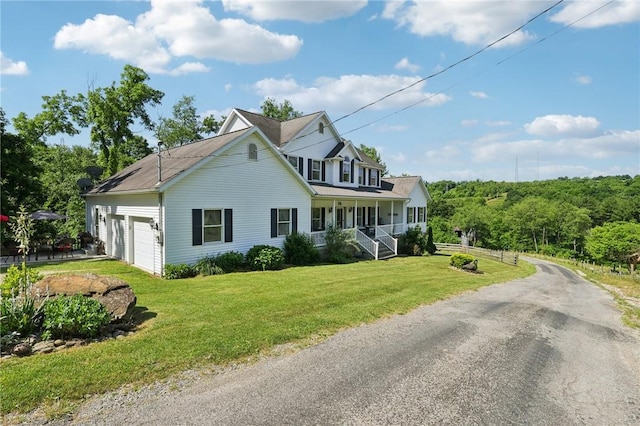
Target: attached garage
(143,239)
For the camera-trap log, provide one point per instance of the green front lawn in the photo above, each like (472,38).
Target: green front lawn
(214,320)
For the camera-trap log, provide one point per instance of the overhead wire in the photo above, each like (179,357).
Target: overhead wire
(432,95)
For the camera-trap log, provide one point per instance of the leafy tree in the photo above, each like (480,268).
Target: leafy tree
(113,110)
(185,126)
(473,220)
(372,153)
(283,111)
(18,172)
(614,242)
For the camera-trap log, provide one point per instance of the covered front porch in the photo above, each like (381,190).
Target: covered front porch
(373,224)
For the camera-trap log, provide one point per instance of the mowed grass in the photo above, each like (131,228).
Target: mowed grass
(204,321)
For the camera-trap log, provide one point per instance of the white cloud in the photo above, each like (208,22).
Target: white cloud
(399,157)
(171,30)
(469,122)
(11,67)
(562,125)
(498,123)
(583,79)
(386,128)
(228,87)
(613,13)
(470,22)
(479,95)
(189,67)
(349,92)
(304,11)
(404,64)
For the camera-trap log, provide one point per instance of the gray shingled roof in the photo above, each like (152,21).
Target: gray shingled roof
(398,188)
(278,132)
(143,175)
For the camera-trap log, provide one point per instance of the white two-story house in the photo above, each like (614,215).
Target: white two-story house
(257,181)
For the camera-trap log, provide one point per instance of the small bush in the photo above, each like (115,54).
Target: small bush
(73,316)
(299,249)
(182,270)
(413,242)
(18,314)
(230,261)
(264,257)
(17,280)
(458,260)
(207,266)
(338,246)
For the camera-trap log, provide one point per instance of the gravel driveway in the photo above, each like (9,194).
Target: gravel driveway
(547,349)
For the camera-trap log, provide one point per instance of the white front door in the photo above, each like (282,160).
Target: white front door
(116,237)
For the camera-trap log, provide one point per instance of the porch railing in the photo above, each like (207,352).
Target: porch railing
(318,238)
(392,229)
(387,240)
(367,243)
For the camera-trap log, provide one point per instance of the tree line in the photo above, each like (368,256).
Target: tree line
(586,218)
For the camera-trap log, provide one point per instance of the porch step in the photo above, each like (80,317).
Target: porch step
(385,252)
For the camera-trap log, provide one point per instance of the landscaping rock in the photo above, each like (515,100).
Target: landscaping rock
(113,293)
(22,349)
(44,347)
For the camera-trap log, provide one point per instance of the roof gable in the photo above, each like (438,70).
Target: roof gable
(143,175)
(405,184)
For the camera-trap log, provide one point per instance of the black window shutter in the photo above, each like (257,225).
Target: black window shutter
(369,178)
(353,170)
(228,225)
(341,171)
(309,169)
(196,226)
(294,221)
(301,166)
(324,174)
(322,218)
(274,223)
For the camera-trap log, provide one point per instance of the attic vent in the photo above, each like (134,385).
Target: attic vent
(321,128)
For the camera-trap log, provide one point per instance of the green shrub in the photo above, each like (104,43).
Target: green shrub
(17,280)
(338,247)
(182,270)
(230,261)
(264,257)
(299,249)
(207,266)
(18,314)
(431,247)
(413,242)
(73,316)
(458,260)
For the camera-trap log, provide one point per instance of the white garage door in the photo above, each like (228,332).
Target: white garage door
(116,239)
(143,244)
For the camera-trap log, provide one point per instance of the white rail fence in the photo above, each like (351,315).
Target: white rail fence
(507,257)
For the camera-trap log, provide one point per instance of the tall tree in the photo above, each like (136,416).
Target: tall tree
(113,110)
(614,242)
(185,126)
(19,182)
(283,111)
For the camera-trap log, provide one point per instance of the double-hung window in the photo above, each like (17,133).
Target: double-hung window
(421,214)
(316,170)
(284,222)
(317,223)
(346,170)
(212,225)
(374,178)
(360,175)
(410,215)
(294,161)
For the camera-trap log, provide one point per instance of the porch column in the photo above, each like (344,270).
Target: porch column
(376,224)
(333,212)
(392,230)
(355,216)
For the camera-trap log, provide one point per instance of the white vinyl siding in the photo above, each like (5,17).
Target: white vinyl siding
(241,187)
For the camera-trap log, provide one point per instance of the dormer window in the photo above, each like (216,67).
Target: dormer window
(373,179)
(361,176)
(346,170)
(320,128)
(253,152)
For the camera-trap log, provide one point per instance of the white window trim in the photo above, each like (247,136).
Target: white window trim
(314,170)
(283,222)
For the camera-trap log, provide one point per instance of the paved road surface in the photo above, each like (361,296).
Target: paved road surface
(548,349)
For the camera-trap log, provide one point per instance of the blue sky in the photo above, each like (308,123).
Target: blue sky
(560,97)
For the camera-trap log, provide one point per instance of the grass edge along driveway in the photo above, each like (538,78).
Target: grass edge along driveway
(215,320)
